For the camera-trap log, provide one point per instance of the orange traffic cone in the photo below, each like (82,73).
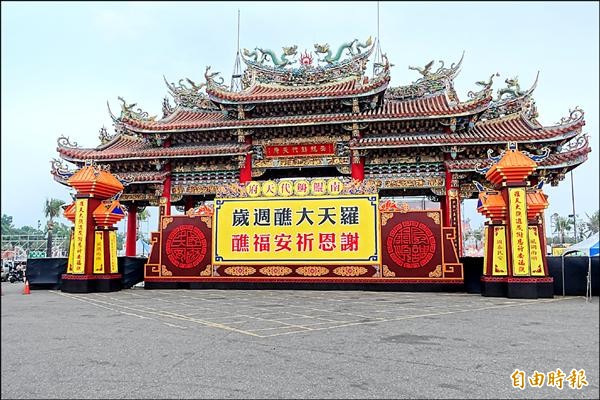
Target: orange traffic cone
(26,288)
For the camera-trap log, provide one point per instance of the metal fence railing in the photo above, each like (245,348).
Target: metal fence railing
(21,247)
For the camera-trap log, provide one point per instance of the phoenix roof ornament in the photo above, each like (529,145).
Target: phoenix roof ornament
(128,112)
(486,88)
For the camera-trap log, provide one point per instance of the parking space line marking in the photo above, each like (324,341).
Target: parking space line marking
(195,320)
(122,306)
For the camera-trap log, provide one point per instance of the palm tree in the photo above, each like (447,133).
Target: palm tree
(591,226)
(142,216)
(562,224)
(52,210)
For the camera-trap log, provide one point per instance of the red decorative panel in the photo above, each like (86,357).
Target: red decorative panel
(411,244)
(309,149)
(182,248)
(186,246)
(297,271)
(416,246)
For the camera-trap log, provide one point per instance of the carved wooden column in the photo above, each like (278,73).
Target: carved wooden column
(452,215)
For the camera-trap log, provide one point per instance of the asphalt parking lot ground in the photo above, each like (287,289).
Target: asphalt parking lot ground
(293,344)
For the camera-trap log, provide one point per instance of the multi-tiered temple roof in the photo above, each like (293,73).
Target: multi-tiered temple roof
(409,136)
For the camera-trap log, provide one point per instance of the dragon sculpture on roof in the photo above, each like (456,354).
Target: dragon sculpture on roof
(260,55)
(429,83)
(512,99)
(352,47)
(513,88)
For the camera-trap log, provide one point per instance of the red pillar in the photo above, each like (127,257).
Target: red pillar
(358,168)
(443,210)
(167,183)
(131,231)
(246,170)
(167,194)
(357,163)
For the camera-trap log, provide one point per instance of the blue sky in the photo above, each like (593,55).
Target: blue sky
(61,62)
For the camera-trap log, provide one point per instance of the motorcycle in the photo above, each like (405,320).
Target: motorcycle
(16,274)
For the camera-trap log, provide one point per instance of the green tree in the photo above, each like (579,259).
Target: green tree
(28,231)
(61,229)
(64,231)
(142,216)
(477,234)
(52,209)
(120,241)
(7,225)
(562,224)
(590,226)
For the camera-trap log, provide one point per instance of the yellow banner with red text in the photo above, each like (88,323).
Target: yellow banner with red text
(337,230)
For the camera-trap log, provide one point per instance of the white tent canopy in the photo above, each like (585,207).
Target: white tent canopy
(589,247)
(142,248)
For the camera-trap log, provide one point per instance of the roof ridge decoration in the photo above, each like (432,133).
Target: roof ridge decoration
(60,171)
(64,141)
(510,147)
(513,88)
(578,142)
(167,109)
(429,83)
(189,97)
(116,137)
(575,115)
(128,112)
(307,73)
(278,62)
(486,90)
(105,137)
(211,81)
(512,99)
(349,46)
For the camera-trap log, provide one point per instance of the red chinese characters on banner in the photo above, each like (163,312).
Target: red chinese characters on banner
(300,150)
(186,246)
(411,244)
(519,233)
(303,242)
